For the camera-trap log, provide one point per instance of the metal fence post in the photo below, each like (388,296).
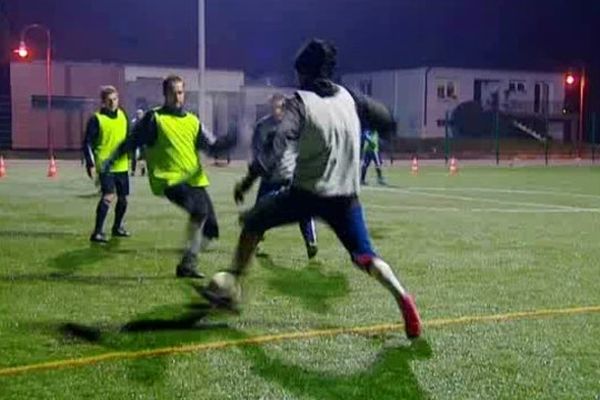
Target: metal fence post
(497,136)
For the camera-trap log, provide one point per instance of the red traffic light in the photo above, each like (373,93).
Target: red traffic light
(570,79)
(22,51)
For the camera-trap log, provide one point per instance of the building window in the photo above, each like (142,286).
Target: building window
(441,92)
(447,90)
(450,90)
(366,87)
(516,86)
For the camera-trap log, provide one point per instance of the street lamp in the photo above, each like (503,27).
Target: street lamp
(581,106)
(570,81)
(201,60)
(23,52)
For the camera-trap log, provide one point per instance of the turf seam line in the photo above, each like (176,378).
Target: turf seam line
(259,340)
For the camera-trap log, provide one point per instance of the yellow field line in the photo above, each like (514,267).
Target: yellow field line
(257,340)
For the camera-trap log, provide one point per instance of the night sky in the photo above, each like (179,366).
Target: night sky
(261,36)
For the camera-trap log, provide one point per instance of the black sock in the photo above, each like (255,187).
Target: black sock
(101,211)
(363,173)
(120,209)
(379,174)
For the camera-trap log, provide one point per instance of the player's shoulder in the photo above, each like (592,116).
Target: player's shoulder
(264,122)
(122,112)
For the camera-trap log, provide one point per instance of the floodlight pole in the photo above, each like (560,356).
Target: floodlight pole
(201,60)
(24,31)
(582,83)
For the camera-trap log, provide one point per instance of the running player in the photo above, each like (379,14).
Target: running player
(324,121)
(370,149)
(173,138)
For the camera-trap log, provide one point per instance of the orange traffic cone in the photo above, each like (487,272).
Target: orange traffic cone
(2,167)
(453,166)
(414,168)
(52,170)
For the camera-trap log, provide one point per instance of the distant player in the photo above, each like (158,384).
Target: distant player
(324,121)
(173,138)
(105,130)
(370,149)
(280,176)
(136,155)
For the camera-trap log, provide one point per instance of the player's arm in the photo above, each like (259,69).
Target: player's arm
(92,131)
(375,115)
(206,141)
(264,163)
(143,134)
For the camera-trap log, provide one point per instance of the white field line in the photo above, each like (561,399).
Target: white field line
(485,210)
(509,191)
(476,199)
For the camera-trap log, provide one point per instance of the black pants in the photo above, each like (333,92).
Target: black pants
(197,203)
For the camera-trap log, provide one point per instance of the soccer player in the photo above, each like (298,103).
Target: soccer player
(324,121)
(137,153)
(370,139)
(282,169)
(105,130)
(173,138)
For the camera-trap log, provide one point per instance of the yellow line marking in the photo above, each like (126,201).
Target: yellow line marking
(258,340)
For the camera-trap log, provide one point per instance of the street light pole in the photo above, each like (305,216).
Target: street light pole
(23,51)
(201,60)
(582,82)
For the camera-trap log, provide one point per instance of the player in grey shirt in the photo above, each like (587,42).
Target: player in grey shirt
(323,122)
(282,161)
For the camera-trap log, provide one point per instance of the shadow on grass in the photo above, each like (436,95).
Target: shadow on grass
(67,277)
(389,377)
(379,233)
(313,288)
(167,326)
(71,261)
(37,234)
(94,195)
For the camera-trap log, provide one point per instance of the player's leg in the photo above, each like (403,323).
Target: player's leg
(134,157)
(265,189)
(309,234)
(210,230)
(194,202)
(122,188)
(378,164)
(346,218)
(283,208)
(107,190)
(365,167)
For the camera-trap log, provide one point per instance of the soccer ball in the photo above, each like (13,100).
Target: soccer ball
(226,286)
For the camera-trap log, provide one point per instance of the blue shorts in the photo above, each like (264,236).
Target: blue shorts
(343,214)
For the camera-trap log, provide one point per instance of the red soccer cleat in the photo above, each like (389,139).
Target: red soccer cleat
(412,320)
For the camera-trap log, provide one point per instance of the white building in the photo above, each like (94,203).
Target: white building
(421,97)
(230,103)
(144,90)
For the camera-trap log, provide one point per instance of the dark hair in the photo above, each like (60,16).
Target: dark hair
(169,81)
(107,90)
(276,97)
(316,59)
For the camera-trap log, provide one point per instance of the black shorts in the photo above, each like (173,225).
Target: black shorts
(115,182)
(197,203)
(343,214)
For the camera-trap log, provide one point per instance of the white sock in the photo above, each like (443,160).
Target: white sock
(195,237)
(381,271)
